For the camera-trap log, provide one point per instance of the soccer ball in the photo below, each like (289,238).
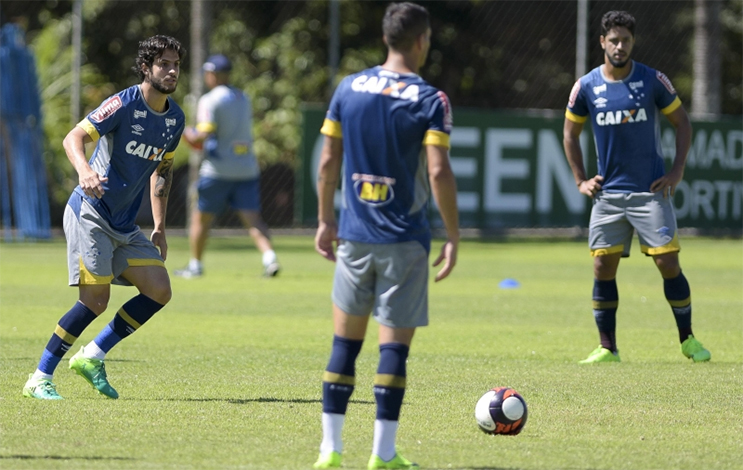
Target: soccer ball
(501,411)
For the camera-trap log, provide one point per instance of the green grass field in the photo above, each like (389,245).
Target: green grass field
(228,374)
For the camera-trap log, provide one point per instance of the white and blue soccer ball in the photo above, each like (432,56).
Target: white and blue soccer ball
(502,410)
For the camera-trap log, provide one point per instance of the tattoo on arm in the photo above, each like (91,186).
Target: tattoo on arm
(164,178)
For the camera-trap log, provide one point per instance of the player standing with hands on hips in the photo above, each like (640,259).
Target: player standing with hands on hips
(391,130)
(137,131)
(624,100)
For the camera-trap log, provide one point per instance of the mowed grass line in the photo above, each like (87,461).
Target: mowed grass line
(228,374)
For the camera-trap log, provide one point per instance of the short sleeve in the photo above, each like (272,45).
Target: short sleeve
(205,115)
(577,110)
(666,98)
(441,123)
(105,118)
(332,123)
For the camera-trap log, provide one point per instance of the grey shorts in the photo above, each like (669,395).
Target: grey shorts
(98,254)
(615,217)
(388,280)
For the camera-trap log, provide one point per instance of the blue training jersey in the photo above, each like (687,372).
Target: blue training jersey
(385,119)
(132,140)
(625,118)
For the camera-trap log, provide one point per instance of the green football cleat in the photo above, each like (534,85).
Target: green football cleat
(601,354)
(694,350)
(40,388)
(94,371)
(331,460)
(397,462)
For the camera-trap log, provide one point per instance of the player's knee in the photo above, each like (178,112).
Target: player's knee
(668,266)
(159,291)
(96,302)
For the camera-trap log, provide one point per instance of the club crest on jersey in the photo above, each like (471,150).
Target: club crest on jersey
(385,86)
(635,85)
(106,109)
(144,151)
(170,122)
(623,116)
(373,190)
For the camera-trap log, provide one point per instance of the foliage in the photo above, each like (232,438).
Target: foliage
(228,375)
(54,67)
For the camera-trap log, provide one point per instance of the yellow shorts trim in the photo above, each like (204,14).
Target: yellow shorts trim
(131,321)
(574,117)
(680,303)
(66,337)
(89,279)
(438,138)
(607,251)
(335,378)
(669,247)
(671,107)
(138,262)
(597,305)
(389,380)
(206,127)
(88,127)
(332,129)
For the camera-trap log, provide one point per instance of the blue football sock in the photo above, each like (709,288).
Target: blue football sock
(128,319)
(69,328)
(605,303)
(339,379)
(389,383)
(678,295)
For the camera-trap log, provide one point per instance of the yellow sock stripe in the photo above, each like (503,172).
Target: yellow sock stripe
(66,337)
(680,303)
(604,305)
(131,321)
(389,380)
(335,378)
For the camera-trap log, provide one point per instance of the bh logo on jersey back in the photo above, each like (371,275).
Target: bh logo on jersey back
(622,116)
(144,151)
(373,190)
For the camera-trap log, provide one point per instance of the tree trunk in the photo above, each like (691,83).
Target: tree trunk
(706,92)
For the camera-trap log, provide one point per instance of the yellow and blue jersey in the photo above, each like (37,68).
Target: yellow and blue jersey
(132,139)
(625,118)
(385,119)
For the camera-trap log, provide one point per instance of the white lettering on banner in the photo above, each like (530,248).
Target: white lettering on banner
(551,162)
(465,167)
(498,169)
(698,199)
(706,149)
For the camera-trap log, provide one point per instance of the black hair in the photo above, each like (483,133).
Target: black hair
(403,23)
(152,48)
(612,19)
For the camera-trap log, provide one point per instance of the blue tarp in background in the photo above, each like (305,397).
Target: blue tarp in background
(23,184)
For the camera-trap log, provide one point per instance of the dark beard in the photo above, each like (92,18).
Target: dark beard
(159,86)
(616,64)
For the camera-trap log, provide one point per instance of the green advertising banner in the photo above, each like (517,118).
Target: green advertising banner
(512,172)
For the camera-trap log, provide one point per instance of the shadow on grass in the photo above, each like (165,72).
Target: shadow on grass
(60,457)
(244,401)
